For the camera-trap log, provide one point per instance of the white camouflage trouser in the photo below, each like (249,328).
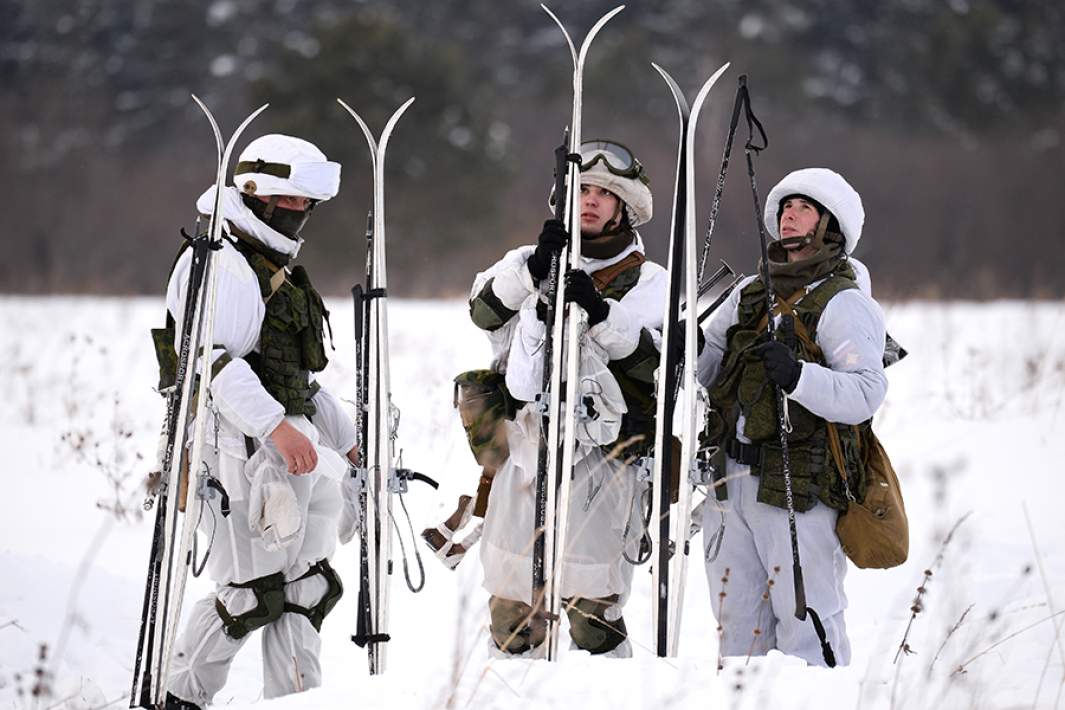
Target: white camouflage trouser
(756,616)
(290,645)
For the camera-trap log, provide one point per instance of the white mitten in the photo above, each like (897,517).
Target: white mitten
(273,511)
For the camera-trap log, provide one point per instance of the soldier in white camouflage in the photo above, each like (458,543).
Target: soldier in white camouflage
(623,295)
(280,444)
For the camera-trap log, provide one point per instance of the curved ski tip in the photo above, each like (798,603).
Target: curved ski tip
(595,29)
(704,90)
(354,114)
(569,40)
(398,112)
(674,88)
(668,77)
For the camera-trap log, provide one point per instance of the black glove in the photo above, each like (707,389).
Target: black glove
(580,289)
(780,364)
(551,240)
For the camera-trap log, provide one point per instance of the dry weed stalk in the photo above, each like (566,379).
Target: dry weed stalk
(950,632)
(720,618)
(1050,605)
(756,633)
(917,606)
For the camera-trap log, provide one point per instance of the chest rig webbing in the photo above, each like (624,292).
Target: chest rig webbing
(742,387)
(291,339)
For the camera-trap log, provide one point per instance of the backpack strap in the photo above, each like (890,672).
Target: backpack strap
(605,276)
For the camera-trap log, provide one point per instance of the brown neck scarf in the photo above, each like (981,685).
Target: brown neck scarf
(607,246)
(789,277)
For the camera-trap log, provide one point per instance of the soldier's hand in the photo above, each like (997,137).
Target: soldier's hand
(551,240)
(581,290)
(297,450)
(780,364)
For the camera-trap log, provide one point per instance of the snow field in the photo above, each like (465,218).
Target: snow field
(974,423)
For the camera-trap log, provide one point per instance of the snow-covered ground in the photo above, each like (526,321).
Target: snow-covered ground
(975,423)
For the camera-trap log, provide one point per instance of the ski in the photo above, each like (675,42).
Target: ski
(378,475)
(676,375)
(172,540)
(554,479)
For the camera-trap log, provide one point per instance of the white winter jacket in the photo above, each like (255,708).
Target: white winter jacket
(240,397)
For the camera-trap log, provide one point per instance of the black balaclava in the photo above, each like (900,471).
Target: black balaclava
(283,221)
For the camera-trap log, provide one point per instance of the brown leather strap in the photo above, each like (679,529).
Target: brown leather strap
(786,307)
(605,276)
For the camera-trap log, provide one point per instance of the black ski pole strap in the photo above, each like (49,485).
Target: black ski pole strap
(575,158)
(826,647)
(752,121)
(372,293)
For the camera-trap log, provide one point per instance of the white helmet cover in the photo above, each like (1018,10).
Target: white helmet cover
(275,164)
(831,190)
(632,191)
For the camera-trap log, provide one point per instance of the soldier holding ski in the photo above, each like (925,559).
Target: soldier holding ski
(622,294)
(276,440)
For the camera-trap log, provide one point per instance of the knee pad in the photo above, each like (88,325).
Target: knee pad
(334,591)
(596,625)
(269,605)
(510,628)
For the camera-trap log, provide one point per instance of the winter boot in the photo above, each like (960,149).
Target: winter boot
(173,702)
(441,539)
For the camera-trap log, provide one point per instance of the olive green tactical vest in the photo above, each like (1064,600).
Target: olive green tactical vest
(291,340)
(743,387)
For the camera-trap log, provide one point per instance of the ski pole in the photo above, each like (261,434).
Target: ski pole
(801,607)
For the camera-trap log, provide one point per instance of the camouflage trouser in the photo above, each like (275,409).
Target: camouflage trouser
(593,627)
(484,403)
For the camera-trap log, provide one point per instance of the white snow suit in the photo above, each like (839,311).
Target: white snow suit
(602,488)
(756,546)
(280,523)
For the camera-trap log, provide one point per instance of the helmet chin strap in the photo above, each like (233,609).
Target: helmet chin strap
(614,225)
(816,237)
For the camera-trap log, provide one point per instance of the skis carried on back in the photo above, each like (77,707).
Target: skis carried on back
(379,475)
(557,443)
(173,537)
(677,379)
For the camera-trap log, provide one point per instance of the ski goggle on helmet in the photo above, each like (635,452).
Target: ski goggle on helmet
(618,159)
